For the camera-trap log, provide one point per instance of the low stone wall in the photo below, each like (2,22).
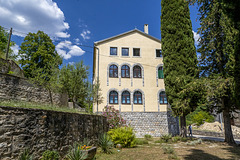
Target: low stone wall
(16,88)
(152,123)
(40,130)
(212,134)
(7,66)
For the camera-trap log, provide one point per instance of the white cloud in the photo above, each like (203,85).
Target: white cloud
(33,15)
(77,40)
(85,34)
(15,49)
(196,37)
(67,50)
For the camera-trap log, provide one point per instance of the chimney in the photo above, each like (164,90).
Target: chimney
(146,28)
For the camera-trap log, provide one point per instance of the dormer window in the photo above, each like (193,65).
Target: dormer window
(113,51)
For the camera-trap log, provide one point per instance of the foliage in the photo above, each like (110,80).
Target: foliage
(166,138)
(148,137)
(176,139)
(195,142)
(124,136)
(73,80)
(199,116)
(105,143)
(219,61)
(3,45)
(113,116)
(50,155)
(167,149)
(179,50)
(39,60)
(25,155)
(141,141)
(75,153)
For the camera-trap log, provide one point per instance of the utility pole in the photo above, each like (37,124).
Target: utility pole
(9,39)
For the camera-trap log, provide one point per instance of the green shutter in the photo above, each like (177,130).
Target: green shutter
(160,74)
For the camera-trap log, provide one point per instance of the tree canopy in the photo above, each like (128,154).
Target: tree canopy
(179,57)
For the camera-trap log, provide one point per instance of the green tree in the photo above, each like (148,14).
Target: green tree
(218,61)
(39,60)
(180,59)
(73,79)
(3,45)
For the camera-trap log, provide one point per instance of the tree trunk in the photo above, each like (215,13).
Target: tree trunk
(227,128)
(183,129)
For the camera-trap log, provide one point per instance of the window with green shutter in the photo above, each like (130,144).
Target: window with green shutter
(160,73)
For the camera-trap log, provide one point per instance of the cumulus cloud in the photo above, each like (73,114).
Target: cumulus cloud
(15,49)
(196,37)
(85,34)
(67,50)
(33,15)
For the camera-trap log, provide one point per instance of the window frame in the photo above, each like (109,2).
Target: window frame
(124,97)
(134,71)
(139,52)
(134,95)
(114,95)
(163,96)
(114,70)
(160,53)
(111,52)
(125,71)
(122,52)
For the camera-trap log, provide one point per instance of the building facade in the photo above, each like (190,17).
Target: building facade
(130,71)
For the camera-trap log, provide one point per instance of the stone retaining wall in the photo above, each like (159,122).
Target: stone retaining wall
(213,134)
(40,130)
(152,123)
(16,88)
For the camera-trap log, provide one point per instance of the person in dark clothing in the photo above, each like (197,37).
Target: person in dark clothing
(190,130)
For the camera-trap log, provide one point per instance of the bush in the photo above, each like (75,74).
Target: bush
(148,137)
(141,141)
(176,139)
(124,136)
(105,143)
(75,153)
(113,116)
(50,155)
(25,155)
(166,138)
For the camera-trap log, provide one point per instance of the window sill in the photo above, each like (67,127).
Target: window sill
(113,55)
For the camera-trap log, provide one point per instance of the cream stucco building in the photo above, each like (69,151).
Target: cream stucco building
(130,70)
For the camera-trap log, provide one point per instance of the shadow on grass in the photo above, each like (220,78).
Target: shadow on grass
(197,154)
(235,150)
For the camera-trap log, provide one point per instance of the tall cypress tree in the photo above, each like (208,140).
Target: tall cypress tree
(179,57)
(219,61)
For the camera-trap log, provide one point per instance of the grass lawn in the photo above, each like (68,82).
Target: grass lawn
(153,151)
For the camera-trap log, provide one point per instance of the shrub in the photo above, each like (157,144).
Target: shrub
(167,149)
(105,143)
(166,138)
(141,141)
(124,136)
(25,155)
(148,137)
(75,153)
(113,116)
(176,139)
(184,139)
(50,155)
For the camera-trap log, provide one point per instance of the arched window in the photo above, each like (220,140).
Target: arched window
(113,97)
(163,98)
(125,70)
(137,97)
(113,71)
(125,97)
(137,72)
(160,72)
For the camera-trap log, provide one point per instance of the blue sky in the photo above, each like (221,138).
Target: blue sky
(73,23)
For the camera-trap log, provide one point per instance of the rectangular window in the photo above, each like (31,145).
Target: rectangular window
(125,52)
(158,53)
(113,51)
(136,52)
